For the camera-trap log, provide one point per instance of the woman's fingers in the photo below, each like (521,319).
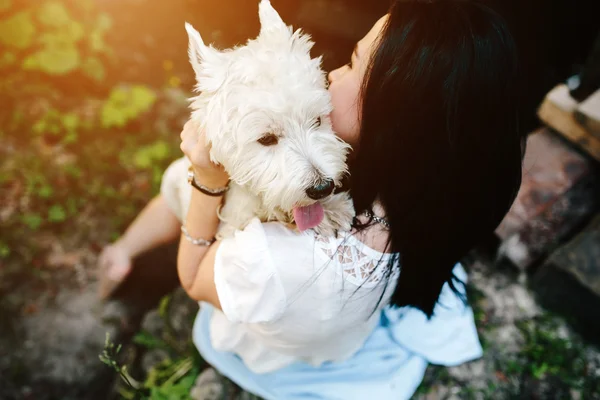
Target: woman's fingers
(189,138)
(193,145)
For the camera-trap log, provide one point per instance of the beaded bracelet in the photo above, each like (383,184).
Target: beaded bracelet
(193,240)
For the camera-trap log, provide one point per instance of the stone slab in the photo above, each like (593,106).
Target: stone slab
(581,257)
(558,192)
(569,281)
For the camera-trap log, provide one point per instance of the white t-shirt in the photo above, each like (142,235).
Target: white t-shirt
(288,296)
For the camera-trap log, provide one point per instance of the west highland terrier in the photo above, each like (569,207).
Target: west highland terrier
(265,109)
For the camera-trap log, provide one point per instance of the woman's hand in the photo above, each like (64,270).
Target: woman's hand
(114,263)
(193,146)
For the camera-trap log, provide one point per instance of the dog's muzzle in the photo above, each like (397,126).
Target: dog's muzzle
(322,190)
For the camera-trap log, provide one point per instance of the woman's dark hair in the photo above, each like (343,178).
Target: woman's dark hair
(439,146)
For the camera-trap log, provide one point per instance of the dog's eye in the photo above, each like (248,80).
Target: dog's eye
(318,122)
(268,140)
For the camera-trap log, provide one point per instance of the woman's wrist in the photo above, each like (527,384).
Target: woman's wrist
(127,245)
(202,219)
(211,179)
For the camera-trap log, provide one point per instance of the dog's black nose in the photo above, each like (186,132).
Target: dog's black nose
(321,190)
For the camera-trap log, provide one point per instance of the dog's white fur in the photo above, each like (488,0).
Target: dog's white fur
(269,86)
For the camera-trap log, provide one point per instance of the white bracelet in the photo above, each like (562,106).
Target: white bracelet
(194,241)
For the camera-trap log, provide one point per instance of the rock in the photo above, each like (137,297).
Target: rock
(247,396)
(569,281)
(581,257)
(56,353)
(208,386)
(151,358)
(211,385)
(153,323)
(558,192)
(181,314)
(472,373)
(506,299)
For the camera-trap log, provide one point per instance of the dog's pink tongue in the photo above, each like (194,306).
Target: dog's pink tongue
(309,216)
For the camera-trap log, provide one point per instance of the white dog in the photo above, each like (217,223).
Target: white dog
(265,110)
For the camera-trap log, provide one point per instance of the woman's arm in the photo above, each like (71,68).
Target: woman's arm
(154,225)
(195,264)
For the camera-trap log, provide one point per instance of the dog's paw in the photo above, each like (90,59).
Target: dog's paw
(339,213)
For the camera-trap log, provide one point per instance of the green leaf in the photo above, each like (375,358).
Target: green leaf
(53,14)
(156,393)
(5,176)
(540,370)
(4,250)
(54,60)
(68,35)
(119,95)
(8,58)
(126,104)
(160,150)
(45,192)
(104,22)
(32,220)
(30,63)
(93,68)
(70,121)
(75,31)
(142,158)
(56,213)
(145,339)
(17,31)
(163,306)
(146,156)
(70,137)
(73,170)
(54,129)
(39,127)
(96,42)
(142,98)
(113,116)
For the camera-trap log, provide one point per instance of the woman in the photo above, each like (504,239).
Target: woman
(428,104)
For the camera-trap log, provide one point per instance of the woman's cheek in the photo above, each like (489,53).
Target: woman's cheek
(344,127)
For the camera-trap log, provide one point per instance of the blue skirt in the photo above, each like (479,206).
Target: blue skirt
(390,365)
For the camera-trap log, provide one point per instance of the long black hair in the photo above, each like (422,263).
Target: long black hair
(439,146)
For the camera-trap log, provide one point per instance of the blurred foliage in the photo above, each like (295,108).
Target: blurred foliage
(126,104)
(81,149)
(56,38)
(559,360)
(78,146)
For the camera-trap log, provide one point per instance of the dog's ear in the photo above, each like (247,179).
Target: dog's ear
(207,62)
(270,21)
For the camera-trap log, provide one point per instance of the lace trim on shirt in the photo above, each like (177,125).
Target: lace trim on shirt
(357,267)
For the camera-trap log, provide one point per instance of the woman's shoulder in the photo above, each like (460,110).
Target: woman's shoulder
(360,263)
(359,257)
